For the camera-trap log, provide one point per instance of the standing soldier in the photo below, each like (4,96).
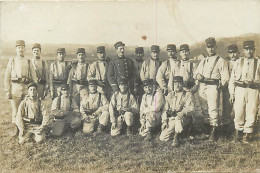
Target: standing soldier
(98,71)
(212,73)
(150,67)
(121,67)
(93,108)
(122,108)
(18,74)
(244,89)
(177,112)
(139,51)
(65,111)
(59,71)
(32,117)
(170,66)
(40,68)
(77,79)
(150,109)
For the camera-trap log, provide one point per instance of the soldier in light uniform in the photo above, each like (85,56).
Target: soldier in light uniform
(40,68)
(122,108)
(122,67)
(177,112)
(93,109)
(65,112)
(244,87)
(58,74)
(32,117)
(139,51)
(17,75)
(98,71)
(172,65)
(150,109)
(77,79)
(212,73)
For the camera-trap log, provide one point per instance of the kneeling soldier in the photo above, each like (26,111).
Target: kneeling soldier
(93,108)
(65,112)
(177,112)
(31,117)
(122,108)
(150,109)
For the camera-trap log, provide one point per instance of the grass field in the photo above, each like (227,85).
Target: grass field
(75,152)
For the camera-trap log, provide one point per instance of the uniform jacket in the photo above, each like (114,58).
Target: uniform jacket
(149,69)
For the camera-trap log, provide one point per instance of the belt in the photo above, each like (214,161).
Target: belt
(80,82)
(211,81)
(247,85)
(21,80)
(57,81)
(32,120)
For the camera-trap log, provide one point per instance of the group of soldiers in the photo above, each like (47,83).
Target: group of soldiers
(166,96)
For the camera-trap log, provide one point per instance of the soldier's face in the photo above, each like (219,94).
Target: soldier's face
(120,51)
(212,50)
(178,86)
(140,55)
(60,56)
(123,88)
(92,89)
(81,57)
(20,50)
(101,56)
(249,52)
(155,55)
(184,54)
(171,53)
(32,92)
(148,89)
(65,93)
(36,52)
(233,56)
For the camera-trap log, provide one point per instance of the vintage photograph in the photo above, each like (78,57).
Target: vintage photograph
(130,86)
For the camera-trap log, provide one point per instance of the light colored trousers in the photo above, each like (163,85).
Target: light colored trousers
(29,132)
(103,119)
(246,108)
(128,118)
(149,121)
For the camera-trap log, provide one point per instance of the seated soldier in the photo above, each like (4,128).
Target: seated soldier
(150,109)
(122,108)
(65,112)
(177,112)
(93,108)
(32,117)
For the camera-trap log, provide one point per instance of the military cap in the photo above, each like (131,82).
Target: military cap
(249,44)
(64,87)
(232,48)
(119,43)
(122,81)
(139,50)
(147,82)
(171,47)
(101,49)
(177,79)
(93,82)
(36,45)
(81,50)
(155,48)
(210,42)
(32,84)
(184,47)
(20,43)
(61,50)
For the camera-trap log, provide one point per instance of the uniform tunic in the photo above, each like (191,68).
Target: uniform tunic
(149,69)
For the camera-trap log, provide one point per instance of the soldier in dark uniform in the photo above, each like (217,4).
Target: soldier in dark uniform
(122,67)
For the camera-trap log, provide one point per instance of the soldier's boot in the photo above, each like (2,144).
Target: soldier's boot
(246,138)
(129,132)
(14,131)
(213,136)
(176,140)
(237,136)
(148,137)
(100,128)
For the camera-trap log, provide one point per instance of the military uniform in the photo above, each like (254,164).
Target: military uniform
(246,94)
(150,110)
(59,71)
(40,68)
(94,108)
(17,75)
(66,114)
(117,114)
(177,112)
(32,119)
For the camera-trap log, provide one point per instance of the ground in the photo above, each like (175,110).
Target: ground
(75,152)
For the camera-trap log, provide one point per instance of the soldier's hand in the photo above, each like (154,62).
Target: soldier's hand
(113,126)
(200,77)
(9,95)
(232,99)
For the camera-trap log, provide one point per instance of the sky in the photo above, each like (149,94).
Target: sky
(159,21)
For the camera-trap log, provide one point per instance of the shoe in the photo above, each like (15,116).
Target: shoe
(176,140)
(129,132)
(246,138)
(100,128)
(237,136)
(212,136)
